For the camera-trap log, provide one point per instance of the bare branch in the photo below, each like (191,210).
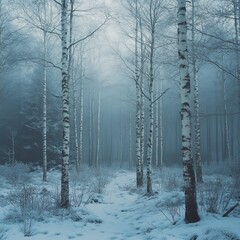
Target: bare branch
(207,59)
(160,95)
(34,60)
(90,34)
(57,2)
(216,37)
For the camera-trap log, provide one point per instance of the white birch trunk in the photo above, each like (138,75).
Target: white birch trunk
(70,76)
(161,127)
(138,139)
(237,31)
(130,142)
(157,133)
(13,134)
(90,131)
(81,120)
(121,144)
(142,99)
(98,125)
(151,117)
(77,162)
(139,176)
(197,130)
(45,109)
(13,150)
(198,158)
(65,102)
(44,127)
(150,147)
(191,212)
(226,125)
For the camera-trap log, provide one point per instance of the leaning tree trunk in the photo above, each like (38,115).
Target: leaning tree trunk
(191,211)
(197,130)
(65,102)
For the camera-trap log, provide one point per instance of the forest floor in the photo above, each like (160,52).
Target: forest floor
(114,209)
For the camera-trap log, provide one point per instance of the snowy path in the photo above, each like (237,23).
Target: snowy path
(123,215)
(115,212)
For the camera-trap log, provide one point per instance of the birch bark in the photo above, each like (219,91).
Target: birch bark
(44,129)
(139,175)
(198,158)
(157,133)
(161,128)
(98,125)
(142,98)
(226,124)
(81,118)
(65,103)
(77,162)
(150,133)
(130,142)
(237,31)
(73,83)
(191,211)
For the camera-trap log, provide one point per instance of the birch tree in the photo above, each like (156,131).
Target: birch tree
(161,127)
(156,134)
(191,211)
(236,8)
(152,11)
(65,105)
(39,15)
(13,134)
(73,79)
(139,166)
(133,8)
(67,44)
(142,98)
(44,95)
(197,130)
(81,116)
(98,124)
(226,124)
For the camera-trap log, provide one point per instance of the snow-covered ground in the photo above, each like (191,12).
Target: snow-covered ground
(120,212)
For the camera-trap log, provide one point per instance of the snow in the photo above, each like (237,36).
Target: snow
(120,212)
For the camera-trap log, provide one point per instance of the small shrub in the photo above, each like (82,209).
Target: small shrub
(3,235)
(171,206)
(77,195)
(28,202)
(215,195)
(100,180)
(100,183)
(170,182)
(56,196)
(17,173)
